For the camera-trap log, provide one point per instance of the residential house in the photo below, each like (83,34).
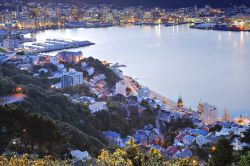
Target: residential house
(172,150)
(188,139)
(87,99)
(179,138)
(201,140)
(120,87)
(158,147)
(113,138)
(213,138)
(197,132)
(141,137)
(98,106)
(25,66)
(185,153)
(79,155)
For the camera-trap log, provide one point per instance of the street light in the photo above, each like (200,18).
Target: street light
(194,161)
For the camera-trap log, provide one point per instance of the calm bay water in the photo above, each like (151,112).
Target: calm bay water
(210,65)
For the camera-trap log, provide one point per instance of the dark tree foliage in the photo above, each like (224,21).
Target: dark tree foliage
(37,133)
(202,152)
(246,139)
(223,153)
(215,128)
(7,86)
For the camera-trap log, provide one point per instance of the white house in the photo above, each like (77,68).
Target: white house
(113,138)
(201,140)
(98,106)
(188,139)
(79,155)
(120,87)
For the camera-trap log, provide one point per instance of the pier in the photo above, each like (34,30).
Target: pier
(56,44)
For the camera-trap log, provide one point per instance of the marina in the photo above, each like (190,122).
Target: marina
(55,44)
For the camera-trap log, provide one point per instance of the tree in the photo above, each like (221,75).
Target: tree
(215,128)
(130,155)
(134,153)
(246,139)
(244,160)
(7,86)
(117,158)
(153,158)
(222,154)
(31,160)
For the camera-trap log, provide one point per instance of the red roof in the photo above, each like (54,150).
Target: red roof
(172,150)
(180,136)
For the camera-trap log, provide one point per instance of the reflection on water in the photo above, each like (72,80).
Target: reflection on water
(229,35)
(158,30)
(242,38)
(219,37)
(210,65)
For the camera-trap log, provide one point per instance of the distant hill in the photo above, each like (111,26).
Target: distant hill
(165,3)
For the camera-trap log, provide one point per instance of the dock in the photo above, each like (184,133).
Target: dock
(56,44)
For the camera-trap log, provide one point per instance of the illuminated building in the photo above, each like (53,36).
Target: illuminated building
(70,57)
(180,102)
(243,121)
(226,116)
(71,78)
(210,114)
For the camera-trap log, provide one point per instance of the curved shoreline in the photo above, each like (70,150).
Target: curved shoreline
(154,95)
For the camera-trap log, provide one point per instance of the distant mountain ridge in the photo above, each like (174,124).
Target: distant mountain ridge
(165,3)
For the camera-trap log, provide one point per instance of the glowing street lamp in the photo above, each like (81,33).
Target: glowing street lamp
(18,89)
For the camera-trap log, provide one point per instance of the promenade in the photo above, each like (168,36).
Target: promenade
(135,86)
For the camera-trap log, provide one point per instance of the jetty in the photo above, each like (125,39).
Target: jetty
(56,44)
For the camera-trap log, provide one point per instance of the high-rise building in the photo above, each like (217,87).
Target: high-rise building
(210,114)
(71,78)
(201,109)
(180,102)
(226,116)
